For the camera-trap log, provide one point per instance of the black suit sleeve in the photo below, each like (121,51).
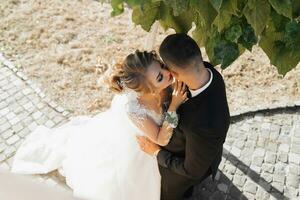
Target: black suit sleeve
(202,146)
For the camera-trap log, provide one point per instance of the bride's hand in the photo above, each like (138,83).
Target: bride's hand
(179,95)
(146,145)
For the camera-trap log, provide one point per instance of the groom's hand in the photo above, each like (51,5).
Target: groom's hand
(147,146)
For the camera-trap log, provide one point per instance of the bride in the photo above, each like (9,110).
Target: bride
(99,156)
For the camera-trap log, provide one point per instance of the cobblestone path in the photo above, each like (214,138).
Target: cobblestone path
(22,108)
(261,158)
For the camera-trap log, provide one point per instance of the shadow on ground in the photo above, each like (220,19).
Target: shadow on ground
(223,187)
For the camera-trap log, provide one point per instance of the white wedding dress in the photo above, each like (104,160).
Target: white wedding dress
(99,156)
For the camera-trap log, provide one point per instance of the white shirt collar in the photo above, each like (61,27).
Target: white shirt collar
(198,91)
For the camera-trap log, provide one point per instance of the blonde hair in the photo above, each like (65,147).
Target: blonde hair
(132,73)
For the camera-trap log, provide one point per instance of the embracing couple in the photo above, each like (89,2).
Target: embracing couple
(162,135)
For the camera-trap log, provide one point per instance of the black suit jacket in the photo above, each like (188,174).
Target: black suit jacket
(197,142)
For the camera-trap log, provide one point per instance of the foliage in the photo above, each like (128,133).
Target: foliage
(227,27)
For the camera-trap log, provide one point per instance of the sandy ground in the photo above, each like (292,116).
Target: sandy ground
(65,46)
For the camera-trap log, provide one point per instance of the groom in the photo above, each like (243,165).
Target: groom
(195,149)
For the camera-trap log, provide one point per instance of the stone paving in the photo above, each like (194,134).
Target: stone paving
(23,106)
(261,158)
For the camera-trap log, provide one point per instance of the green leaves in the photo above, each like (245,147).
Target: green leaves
(292,35)
(248,37)
(201,33)
(181,23)
(296,9)
(227,27)
(233,33)
(117,6)
(257,13)
(178,6)
(216,4)
(282,7)
(225,12)
(220,50)
(282,47)
(146,14)
(226,52)
(204,10)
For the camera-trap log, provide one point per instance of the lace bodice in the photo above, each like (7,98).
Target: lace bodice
(140,111)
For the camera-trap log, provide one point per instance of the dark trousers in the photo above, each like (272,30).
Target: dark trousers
(175,187)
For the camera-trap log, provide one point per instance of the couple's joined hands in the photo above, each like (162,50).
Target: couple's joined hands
(179,96)
(147,146)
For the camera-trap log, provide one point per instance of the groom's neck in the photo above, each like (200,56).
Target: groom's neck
(197,77)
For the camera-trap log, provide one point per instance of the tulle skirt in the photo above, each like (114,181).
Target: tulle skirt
(98,156)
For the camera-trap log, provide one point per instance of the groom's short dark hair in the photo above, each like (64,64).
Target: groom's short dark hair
(180,50)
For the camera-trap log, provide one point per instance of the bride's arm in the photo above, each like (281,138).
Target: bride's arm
(161,135)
